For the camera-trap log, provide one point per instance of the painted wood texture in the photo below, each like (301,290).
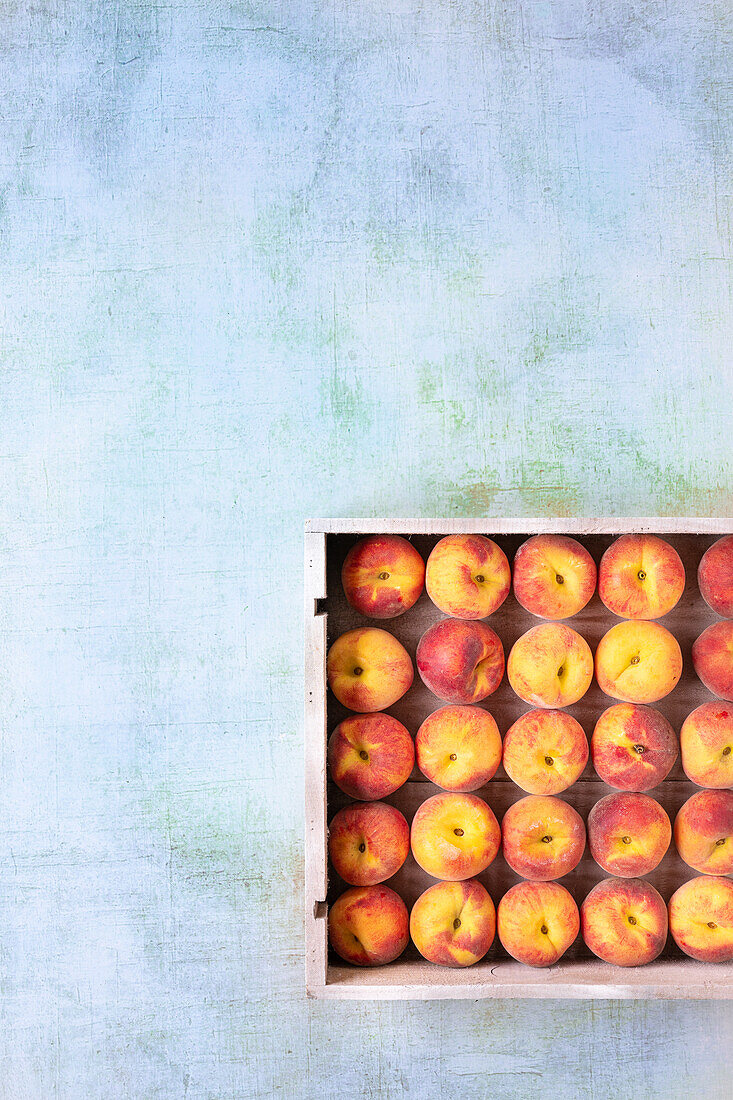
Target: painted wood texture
(262,261)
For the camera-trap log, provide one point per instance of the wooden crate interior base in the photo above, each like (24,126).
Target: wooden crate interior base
(579,973)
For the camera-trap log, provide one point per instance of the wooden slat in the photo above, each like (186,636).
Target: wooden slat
(316,869)
(609,525)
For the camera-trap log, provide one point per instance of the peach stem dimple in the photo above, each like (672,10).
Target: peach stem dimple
(384,576)
(457,924)
(546,839)
(452,756)
(726,750)
(364,754)
(358,671)
(458,832)
(480,578)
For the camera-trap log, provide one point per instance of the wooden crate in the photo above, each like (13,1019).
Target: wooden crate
(579,974)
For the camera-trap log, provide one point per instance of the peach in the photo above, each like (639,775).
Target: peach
(701,918)
(368,669)
(633,748)
(638,662)
(624,921)
(460,662)
(545,751)
(454,836)
(370,755)
(628,834)
(458,748)
(640,577)
(537,922)
(368,925)
(712,656)
(543,837)
(554,576)
(453,923)
(383,576)
(706,743)
(368,842)
(715,576)
(467,576)
(550,666)
(703,832)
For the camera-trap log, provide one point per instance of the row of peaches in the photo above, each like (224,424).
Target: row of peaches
(469,577)
(623,921)
(551,665)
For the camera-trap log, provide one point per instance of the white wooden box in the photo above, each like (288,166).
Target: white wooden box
(579,974)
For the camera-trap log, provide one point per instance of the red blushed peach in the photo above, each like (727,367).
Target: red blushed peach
(543,837)
(545,751)
(703,832)
(370,755)
(368,926)
(368,669)
(550,666)
(453,923)
(458,748)
(712,656)
(460,662)
(715,576)
(368,842)
(640,577)
(633,748)
(467,576)
(537,922)
(628,834)
(383,576)
(638,662)
(706,743)
(701,918)
(624,921)
(454,836)
(554,576)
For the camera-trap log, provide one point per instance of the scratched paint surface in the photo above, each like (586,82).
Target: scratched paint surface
(263,260)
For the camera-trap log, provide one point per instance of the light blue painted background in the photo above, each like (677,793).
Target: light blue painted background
(265,260)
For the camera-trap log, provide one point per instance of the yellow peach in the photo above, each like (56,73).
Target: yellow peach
(706,743)
(458,748)
(624,921)
(368,842)
(703,832)
(633,748)
(712,657)
(467,576)
(368,669)
(628,834)
(537,922)
(370,755)
(715,576)
(368,925)
(640,577)
(701,918)
(638,662)
(543,837)
(550,666)
(383,576)
(454,836)
(453,923)
(545,751)
(460,662)
(554,576)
